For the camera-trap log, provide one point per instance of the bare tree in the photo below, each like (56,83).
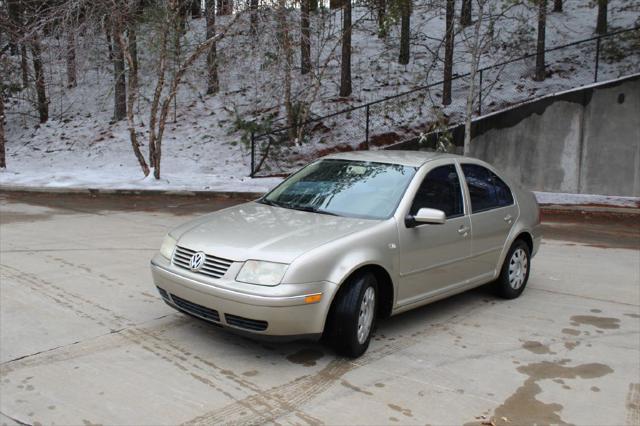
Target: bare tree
(254,16)
(119,79)
(448,53)
(305,38)
(465,13)
(224,7)
(196,11)
(476,47)
(601,26)
(557,5)
(165,91)
(3,160)
(405,31)
(71,58)
(345,63)
(540,45)
(38,70)
(213,84)
(382,25)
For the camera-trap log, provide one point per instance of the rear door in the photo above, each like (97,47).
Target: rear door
(493,212)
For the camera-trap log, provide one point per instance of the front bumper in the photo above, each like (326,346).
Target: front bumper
(270,311)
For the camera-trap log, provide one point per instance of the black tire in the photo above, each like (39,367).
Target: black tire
(510,287)
(345,313)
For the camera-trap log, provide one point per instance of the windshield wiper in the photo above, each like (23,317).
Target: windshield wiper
(311,209)
(296,207)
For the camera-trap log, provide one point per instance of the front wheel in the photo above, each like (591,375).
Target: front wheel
(515,271)
(354,315)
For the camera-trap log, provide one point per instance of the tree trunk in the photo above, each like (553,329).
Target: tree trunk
(337,4)
(224,7)
(213,84)
(71,59)
(345,63)
(14,11)
(476,53)
(448,53)
(465,13)
(405,31)
(382,26)
(601,27)
(3,161)
(557,5)
(38,70)
(119,79)
(131,99)
(540,46)
(313,5)
(254,16)
(195,9)
(132,39)
(287,50)
(24,66)
(305,38)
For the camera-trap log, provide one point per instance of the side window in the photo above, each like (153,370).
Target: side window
(440,190)
(502,192)
(487,191)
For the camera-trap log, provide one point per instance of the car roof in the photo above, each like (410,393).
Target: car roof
(405,158)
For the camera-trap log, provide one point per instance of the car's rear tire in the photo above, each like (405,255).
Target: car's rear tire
(353,315)
(514,274)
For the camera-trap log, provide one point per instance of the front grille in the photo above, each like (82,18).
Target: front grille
(214,267)
(246,323)
(195,309)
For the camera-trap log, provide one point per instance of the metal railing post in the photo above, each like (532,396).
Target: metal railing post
(253,153)
(595,77)
(366,130)
(480,95)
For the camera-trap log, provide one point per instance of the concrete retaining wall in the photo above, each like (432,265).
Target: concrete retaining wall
(584,141)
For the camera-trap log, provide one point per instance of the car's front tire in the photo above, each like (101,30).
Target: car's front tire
(353,315)
(515,271)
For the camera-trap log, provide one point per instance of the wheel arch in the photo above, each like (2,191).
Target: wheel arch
(386,289)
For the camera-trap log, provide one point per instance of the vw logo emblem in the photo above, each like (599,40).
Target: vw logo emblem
(197,260)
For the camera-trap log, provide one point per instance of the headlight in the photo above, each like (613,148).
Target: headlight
(263,273)
(168,244)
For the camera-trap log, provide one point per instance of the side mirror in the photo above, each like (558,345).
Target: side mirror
(426,215)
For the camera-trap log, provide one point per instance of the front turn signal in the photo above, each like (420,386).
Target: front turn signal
(313,298)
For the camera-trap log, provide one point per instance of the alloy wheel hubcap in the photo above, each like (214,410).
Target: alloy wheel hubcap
(365,318)
(518,265)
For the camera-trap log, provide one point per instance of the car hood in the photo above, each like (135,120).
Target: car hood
(262,232)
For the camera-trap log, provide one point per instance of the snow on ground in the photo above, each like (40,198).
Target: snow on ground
(558,198)
(204,150)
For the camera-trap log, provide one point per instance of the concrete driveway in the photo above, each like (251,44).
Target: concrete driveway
(84,338)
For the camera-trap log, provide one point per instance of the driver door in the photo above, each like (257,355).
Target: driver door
(434,257)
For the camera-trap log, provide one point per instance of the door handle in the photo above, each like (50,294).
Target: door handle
(463,231)
(508,218)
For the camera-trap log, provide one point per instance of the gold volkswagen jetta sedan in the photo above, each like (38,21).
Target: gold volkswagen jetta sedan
(348,239)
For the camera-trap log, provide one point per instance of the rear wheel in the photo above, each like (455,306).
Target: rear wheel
(515,271)
(353,316)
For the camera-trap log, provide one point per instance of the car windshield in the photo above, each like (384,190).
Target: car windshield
(344,188)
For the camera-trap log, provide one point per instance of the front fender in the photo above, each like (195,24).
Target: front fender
(337,260)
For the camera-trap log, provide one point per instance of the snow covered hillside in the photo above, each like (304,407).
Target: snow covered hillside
(205,147)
